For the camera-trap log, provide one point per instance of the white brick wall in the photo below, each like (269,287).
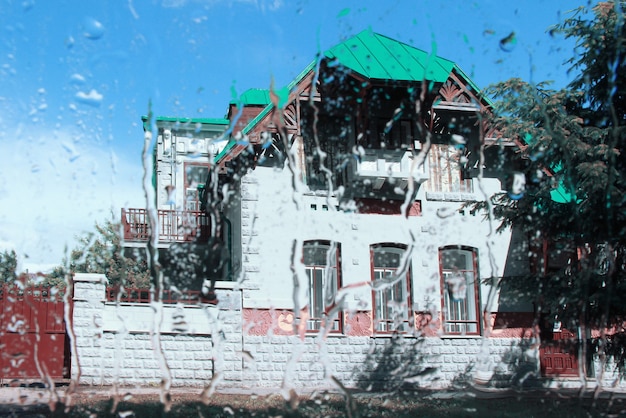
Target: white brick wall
(240,360)
(115,346)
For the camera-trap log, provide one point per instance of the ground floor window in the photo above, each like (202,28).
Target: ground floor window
(322,264)
(391,278)
(459,284)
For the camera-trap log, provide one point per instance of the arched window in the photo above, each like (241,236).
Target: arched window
(458,268)
(391,295)
(322,262)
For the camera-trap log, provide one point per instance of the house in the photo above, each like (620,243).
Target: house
(345,203)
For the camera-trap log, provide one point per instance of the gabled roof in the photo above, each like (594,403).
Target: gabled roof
(378,57)
(375,57)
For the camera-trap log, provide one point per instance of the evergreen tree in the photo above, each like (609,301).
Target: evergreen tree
(8,266)
(574,140)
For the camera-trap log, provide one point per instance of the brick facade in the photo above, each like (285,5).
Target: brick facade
(225,350)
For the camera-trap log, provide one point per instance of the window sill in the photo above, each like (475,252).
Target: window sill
(460,337)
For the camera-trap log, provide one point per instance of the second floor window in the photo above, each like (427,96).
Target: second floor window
(196,175)
(445,175)
(322,264)
(392,288)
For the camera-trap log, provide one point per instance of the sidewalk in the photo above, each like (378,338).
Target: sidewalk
(37,400)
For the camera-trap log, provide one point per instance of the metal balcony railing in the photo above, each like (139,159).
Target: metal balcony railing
(174,225)
(142,295)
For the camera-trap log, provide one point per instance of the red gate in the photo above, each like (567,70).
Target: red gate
(33,339)
(559,356)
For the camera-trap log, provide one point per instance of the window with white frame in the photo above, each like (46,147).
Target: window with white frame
(322,262)
(459,283)
(446,175)
(391,278)
(196,175)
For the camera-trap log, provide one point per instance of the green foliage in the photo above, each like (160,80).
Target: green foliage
(56,278)
(101,252)
(600,61)
(8,266)
(574,143)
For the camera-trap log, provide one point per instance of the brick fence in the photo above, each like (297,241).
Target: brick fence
(191,345)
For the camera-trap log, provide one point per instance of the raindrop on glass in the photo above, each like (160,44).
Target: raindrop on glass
(507,44)
(445,212)
(517,186)
(92,98)
(92,29)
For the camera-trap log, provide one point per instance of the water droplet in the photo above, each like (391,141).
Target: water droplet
(508,43)
(92,29)
(344,12)
(93,98)
(517,187)
(458,139)
(77,79)
(445,212)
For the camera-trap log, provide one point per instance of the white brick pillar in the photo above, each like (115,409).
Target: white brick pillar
(227,338)
(88,299)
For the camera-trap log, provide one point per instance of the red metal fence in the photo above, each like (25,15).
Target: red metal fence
(33,338)
(174,225)
(137,295)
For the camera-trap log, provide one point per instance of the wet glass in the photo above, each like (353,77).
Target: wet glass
(213,196)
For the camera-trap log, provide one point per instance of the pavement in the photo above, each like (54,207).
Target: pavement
(37,400)
(34,399)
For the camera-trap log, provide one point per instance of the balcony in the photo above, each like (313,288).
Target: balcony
(380,165)
(174,226)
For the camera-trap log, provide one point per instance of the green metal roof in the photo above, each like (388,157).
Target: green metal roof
(208,121)
(374,56)
(560,195)
(205,122)
(283,96)
(253,97)
(378,57)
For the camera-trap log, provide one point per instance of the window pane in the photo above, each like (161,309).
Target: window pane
(321,268)
(459,291)
(383,258)
(391,310)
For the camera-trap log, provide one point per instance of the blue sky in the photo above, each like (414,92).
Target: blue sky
(76,76)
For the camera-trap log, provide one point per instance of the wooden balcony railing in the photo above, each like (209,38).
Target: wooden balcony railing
(174,225)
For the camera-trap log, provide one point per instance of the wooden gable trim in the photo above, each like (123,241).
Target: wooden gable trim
(290,113)
(455,90)
(291,118)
